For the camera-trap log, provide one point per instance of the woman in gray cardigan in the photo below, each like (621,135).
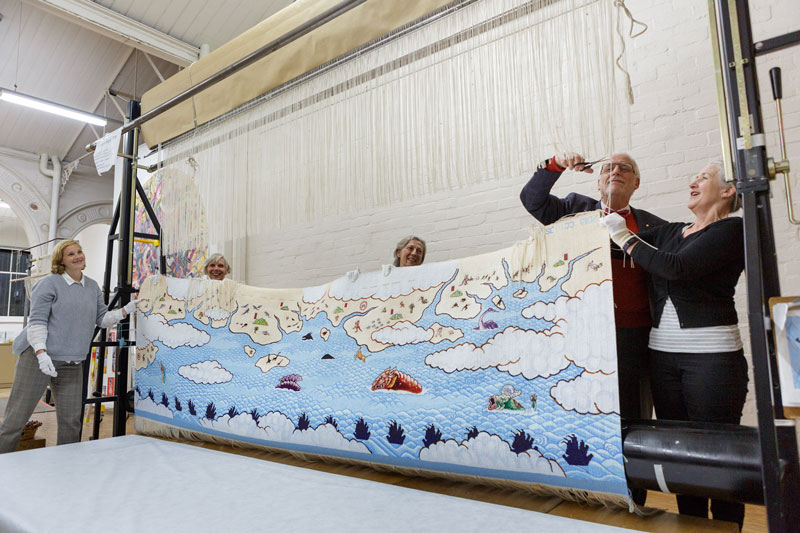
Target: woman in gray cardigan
(65,308)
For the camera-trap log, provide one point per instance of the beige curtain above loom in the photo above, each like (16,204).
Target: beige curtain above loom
(354,28)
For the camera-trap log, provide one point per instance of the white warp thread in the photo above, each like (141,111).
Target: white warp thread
(477,96)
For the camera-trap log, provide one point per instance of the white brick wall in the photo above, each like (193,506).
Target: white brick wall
(674,133)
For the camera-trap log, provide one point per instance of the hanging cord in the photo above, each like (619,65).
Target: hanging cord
(194,109)
(620,4)
(19,45)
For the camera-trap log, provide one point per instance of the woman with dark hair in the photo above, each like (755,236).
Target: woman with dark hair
(410,251)
(65,308)
(698,368)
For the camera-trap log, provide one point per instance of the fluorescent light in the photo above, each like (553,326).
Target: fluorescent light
(4,205)
(50,107)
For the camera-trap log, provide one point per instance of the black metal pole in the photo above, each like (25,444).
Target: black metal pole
(124,267)
(736,46)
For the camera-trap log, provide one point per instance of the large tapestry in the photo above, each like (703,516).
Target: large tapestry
(501,365)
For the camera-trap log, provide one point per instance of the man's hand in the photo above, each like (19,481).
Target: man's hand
(617,228)
(46,364)
(571,161)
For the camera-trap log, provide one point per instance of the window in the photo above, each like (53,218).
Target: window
(13,265)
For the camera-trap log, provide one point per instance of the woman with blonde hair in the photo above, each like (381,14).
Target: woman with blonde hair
(216,267)
(65,308)
(697,363)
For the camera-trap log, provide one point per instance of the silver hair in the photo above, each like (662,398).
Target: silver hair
(632,160)
(402,244)
(213,258)
(736,200)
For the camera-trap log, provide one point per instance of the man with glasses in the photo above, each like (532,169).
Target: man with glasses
(619,178)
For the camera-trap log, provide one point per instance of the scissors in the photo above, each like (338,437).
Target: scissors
(588,164)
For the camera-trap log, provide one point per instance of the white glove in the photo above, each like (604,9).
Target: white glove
(46,364)
(617,228)
(352,275)
(130,307)
(387,269)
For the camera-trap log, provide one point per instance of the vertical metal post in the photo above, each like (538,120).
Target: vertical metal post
(100,358)
(125,266)
(779,476)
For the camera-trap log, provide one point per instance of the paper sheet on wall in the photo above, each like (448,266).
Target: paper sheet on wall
(501,365)
(106,149)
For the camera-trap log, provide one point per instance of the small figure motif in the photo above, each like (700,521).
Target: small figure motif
(498,301)
(486,324)
(290,382)
(505,400)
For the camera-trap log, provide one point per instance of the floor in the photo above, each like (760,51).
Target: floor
(755,516)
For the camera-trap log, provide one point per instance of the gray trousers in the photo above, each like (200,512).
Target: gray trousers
(29,385)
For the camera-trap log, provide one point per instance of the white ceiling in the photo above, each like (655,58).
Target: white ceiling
(51,56)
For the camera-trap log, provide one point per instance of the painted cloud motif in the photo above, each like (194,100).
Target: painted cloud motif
(490,451)
(205,372)
(513,350)
(154,327)
(588,393)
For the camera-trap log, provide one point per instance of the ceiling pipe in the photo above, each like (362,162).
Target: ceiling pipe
(55,175)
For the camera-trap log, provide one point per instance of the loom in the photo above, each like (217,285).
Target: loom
(298,103)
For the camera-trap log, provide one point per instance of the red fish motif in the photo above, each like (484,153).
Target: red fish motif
(393,379)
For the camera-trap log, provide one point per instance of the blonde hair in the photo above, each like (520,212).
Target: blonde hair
(213,258)
(58,255)
(402,244)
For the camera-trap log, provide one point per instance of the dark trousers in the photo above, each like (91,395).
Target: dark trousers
(633,371)
(633,374)
(703,387)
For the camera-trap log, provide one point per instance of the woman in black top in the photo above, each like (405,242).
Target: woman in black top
(698,368)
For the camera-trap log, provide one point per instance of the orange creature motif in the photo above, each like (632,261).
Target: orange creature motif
(393,379)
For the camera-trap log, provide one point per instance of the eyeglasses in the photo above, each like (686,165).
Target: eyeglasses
(623,167)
